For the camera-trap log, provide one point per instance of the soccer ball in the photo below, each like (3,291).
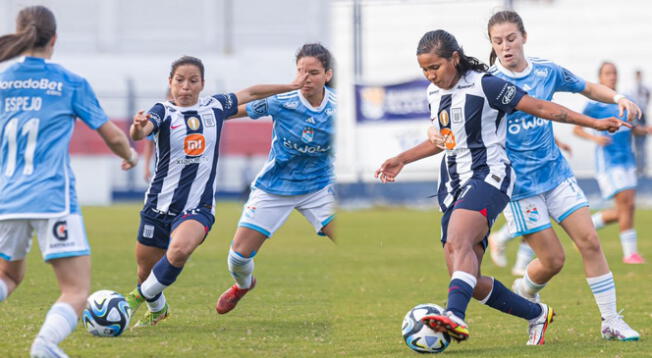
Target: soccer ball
(418,336)
(107,314)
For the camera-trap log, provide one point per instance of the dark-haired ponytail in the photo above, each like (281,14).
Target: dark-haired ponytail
(13,45)
(444,45)
(35,27)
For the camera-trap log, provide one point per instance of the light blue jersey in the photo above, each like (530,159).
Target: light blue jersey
(299,161)
(536,159)
(40,102)
(619,152)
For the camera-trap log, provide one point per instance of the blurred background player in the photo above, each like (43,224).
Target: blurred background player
(41,101)
(179,203)
(467,110)
(615,168)
(545,184)
(297,174)
(640,94)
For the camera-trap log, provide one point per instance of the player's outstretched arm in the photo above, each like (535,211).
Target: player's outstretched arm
(559,113)
(141,127)
(118,143)
(392,167)
(601,140)
(261,91)
(242,112)
(604,94)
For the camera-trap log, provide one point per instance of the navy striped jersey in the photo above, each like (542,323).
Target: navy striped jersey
(187,142)
(40,102)
(470,118)
(299,160)
(537,161)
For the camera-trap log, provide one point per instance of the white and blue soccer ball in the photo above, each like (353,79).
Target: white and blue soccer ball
(418,336)
(107,314)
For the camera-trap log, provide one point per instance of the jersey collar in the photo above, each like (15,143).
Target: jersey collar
(515,75)
(321,107)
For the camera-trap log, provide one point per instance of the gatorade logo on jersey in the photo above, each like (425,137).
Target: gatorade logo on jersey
(193,123)
(308,134)
(60,230)
(194,145)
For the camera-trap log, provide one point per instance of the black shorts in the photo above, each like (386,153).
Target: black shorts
(479,196)
(156,227)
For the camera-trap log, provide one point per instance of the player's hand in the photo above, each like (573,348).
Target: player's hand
(436,138)
(141,119)
(131,162)
(602,140)
(611,124)
(389,170)
(633,111)
(300,80)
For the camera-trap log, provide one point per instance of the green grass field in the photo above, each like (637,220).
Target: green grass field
(317,299)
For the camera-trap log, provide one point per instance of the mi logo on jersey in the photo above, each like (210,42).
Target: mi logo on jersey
(193,123)
(60,230)
(194,145)
(443,118)
(308,134)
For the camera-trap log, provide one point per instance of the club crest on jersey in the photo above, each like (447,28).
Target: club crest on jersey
(532,213)
(193,123)
(456,115)
(443,118)
(308,134)
(250,212)
(60,230)
(194,144)
(291,105)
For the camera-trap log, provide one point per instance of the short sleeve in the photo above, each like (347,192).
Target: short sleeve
(86,106)
(157,116)
(500,94)
(262,107)
(229,103)
(567,81)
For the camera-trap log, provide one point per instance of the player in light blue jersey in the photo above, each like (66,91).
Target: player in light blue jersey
(545,185)
(180,201)
(298,171)
(40,103)
(615,168)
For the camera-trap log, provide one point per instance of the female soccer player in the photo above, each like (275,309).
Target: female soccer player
(615,167)
(467,109)
(40,103)
(545,184)
(179,203)
(297,174)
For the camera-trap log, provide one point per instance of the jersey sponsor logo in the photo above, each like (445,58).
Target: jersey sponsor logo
(469,85)
(193,123)
(302,148)
(188,161)
(228,102)
(456,115)
(449,138)
(308,134)
(541,72)
(260,107)
(515,126)
(51,87)
(194,145)
(443,118)
(510,92)
(291,105)
(60,230)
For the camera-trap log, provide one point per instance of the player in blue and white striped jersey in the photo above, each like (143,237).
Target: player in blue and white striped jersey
(545,185)
(179,203)
(468,107)
(615,168)
(298,171)
(40,104)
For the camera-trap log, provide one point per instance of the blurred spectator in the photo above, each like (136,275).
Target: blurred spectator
(640,94)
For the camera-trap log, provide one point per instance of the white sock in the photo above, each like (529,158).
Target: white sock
(502,235)
(628,242)
(151,286)
(60,321)
(4,290)
(529,286)
(597,220)
(241,268)
(524,255)
(604,291)
(157,304)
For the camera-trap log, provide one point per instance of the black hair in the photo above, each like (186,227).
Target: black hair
(502,17)
(319,52)
(444,44)
(35,27)
(187,60)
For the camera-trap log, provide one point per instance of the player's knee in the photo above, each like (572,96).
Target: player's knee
(179,254)
(556,263)
(589,243)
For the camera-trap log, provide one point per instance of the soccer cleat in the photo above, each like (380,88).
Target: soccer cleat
(229,299)
(153,318)
(517,289)
(634,258)
(497,251)
(134,299)
(617,328)
(448,323)
(539,325)
(42,348)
